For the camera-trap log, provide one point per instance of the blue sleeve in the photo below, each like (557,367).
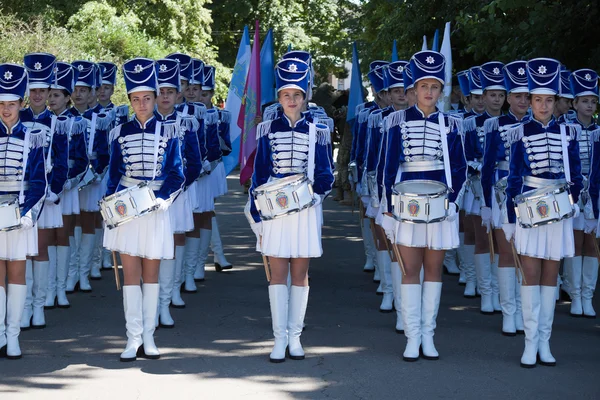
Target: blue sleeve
(262,171)
(173,169)
(575,165)
(202,140)
(101,150)
(470,138)
(515,178)
(60,161)
(381,163)
(489,165)
(392,162)
(458,164)
(78,154)
(115,166)
(595,177)
(224,128)
(372,151)
(323,178)
(211,131)
(193,162)
(361,148)
(36,179)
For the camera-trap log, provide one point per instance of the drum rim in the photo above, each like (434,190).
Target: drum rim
(299,178)
(438,194)
(558,189)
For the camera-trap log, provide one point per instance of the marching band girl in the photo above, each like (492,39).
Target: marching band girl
(423,143)
(544,155)
(143,150)
(23,184)
(286,146)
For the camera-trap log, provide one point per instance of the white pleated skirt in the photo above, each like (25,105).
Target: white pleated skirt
(180,212)
(18,244)
(499,215)
(90,195)
(294,236)
(51,216)
(69,201)
(202,195)
(150,236)
(371,211)
(549,242)
(579,222)
(437,236)
(219,180)
(471,202)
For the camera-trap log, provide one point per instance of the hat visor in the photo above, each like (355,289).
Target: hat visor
(168,85)
(194,82)
(430,77)
(495,87)
(401,84)
(586,93)
(543,91)
(38,85)
(291,86)
(208,88)
(478,92)
(9,97)
(522,89)
(58,87)
(105,82)
(81,83)
(141,89)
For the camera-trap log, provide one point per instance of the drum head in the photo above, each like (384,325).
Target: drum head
(531,194)
(420,187)
(281,182)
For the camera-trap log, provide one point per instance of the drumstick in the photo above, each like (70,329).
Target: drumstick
(517,260)
(265,263)
(116,269)
(399,258)
(491,240)
(387,246)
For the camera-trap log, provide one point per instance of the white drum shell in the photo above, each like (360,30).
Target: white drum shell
(127,205)
(420,201)
(283,196)
(10,213)
(543,206)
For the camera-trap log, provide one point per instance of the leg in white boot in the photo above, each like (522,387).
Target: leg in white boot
(278,299)
(40,281)
(14,310)
(369,243)
(518,311)
(411,315)
(432,292)
(88,240)
(483,268)
(107,260)
(462,279)
(450,264)
(469,268)
(574,266)
(547,305)
(530,298)
(51,285)
(396,282)
(2,322)
(495,289)
(28,306)
(296,311)
(75,245)
(192,248)
(176,300)
(149,310)
(95,273)
(221,262)
(205,236)
(384,264)
(62,268)
(506,286)
(589,278)
(132,304)
(166,277)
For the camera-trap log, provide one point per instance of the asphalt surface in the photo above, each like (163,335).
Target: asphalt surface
(220,345)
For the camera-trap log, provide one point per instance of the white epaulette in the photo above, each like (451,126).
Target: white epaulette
(263,129)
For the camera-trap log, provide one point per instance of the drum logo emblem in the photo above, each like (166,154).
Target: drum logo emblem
(121,208)
(413,208)
(542,209)
(282,200)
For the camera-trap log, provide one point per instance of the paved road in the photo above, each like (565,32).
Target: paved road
(220,345)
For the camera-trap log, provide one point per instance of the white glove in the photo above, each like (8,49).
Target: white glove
(486,218)
(163,205)
(67,185)
(389,226)
(577,210)
(590,225)
(509,231)
(257,229)
(318,199)
(51,197)
(26,222)
(206,166)
(452,212)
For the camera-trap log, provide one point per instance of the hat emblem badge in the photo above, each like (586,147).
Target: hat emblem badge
(496,71)
(162,68)
(429,60)
(542,69)
(80,67)
(37,66)
(588,77)
(137,69)
(8,75)
(521,71)
(400,68)
(293,67)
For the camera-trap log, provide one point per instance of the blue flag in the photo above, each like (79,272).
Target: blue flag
(394,52)
(267,70)
(436,41)
(356,87)
(234,99)
(289,48)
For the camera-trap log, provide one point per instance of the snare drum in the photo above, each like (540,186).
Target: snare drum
(353,172)
(500,190)
(420,201)
(283,196)
(10,213)
(544,206)
(127,205)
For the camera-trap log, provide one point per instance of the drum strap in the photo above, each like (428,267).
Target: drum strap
(565,152)
(444,138)
(49,157)
(92,134)
(156,143)
(25,157)
(312,140)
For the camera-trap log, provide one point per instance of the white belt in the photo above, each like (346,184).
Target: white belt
(129,182)
(419,166)
(536,182)
(13,186)
(503,165)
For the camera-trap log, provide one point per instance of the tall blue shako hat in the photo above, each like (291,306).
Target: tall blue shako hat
(87,76)
(565,84)
(475,81)
(491,76)
(543,76)
(515,77)
(65,76)
(292,74)
(40,69)
(208,81)
(307,58)
(584,82)
(109,74)
(197,73)
(141,74)
(13,82)
(428,65)
(393,75)
(463,82)
(375,75)
(185,65)
(407,78)
(168,74)
(98,72)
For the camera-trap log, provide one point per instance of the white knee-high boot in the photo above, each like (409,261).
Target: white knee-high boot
(589,278)
(73,274)
(495,290)
(546,318)
(28,305)
(296,312)
(411,316)
(132,304)
(166,277)
(62,268)
(369,243)
(40,282)
(2,322)
(205,236)
(96,263)
(530,299)
(14,310)
(396,282)
(279,300)
(176,300)
(220,261)
(483,267)
(51,285)
(88,241)
(506,286)
(518,307)
(462,279)
(192,248)
(468,264)
(432,292)
(573,267)
(384,262)
(149,310)
(450,262)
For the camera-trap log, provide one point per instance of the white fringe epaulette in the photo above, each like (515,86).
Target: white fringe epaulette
(515,133)
(62,126)
(225,116)
(189,122)
(211,117)
(491,124)
(456,122)
(199,110)
(114,133)
(169,129)
(573,131)
(595,135)
(395,119)
(104,121)
(323,134)
(359,108)
(271,112)
(375,119)
(325,121)
(263,129)
(363,116)
(37,138)
(469,124)
(122,111)
(79,127)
